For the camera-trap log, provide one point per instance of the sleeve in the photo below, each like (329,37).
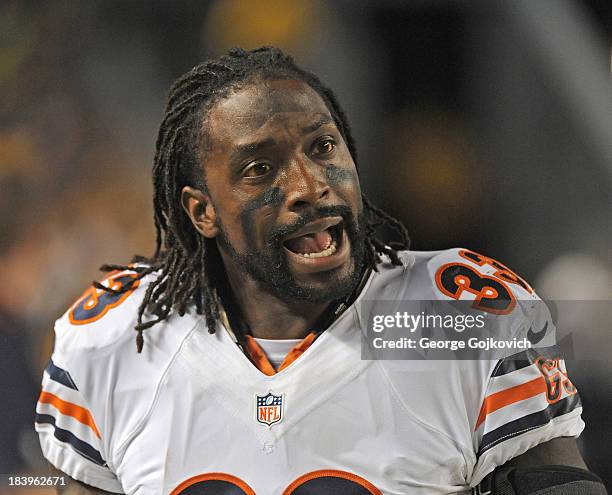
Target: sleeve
(518,398)
(529,400)
(69,436)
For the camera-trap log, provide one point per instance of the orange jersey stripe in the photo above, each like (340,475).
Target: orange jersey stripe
(509,396)
(79,413)
(298,350)
(259,358)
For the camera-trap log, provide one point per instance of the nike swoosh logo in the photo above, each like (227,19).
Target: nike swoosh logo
(535,337)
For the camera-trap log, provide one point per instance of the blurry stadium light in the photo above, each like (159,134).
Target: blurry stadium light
(295,26)
(434,164)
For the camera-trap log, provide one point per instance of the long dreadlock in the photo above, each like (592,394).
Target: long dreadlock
(188,265)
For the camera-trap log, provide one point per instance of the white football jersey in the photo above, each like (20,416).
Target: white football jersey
(193,415)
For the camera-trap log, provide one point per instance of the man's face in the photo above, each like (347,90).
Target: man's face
(284,191)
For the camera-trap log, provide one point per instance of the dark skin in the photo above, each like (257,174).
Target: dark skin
(274,153)
(300,162)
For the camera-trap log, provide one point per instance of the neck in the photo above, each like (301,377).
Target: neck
(269,317)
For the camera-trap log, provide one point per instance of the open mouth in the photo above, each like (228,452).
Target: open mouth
(318,240)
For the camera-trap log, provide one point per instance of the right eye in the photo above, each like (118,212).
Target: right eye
(257,169)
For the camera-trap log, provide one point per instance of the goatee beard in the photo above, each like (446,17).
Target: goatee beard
(269,266)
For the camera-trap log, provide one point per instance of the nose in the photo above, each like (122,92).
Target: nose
(306,184)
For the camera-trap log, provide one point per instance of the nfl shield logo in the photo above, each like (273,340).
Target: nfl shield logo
(269,409)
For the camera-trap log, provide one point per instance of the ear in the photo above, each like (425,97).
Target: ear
(201,211)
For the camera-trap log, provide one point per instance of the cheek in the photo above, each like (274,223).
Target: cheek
(258,212)
(227,212)
(345,182)
(338,177)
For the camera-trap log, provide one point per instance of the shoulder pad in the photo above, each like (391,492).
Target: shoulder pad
(493,288)
(463,274)
(98,317)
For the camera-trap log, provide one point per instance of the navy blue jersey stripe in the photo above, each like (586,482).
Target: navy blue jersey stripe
(77,444)
(512,363)
(529,422)
(60,376)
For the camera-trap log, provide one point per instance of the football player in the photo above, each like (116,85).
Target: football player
(247,375)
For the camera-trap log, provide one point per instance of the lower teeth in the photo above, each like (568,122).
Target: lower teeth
(326,252)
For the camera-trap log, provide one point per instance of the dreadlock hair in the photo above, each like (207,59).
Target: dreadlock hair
(188,265)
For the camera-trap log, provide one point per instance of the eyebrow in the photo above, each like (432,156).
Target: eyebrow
(255,147)
(250,148)
(321,121)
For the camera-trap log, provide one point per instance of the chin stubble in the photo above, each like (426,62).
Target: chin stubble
(270,268)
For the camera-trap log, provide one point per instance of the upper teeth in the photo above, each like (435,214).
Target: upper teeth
(326,252)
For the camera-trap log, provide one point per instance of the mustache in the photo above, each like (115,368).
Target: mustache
(279,234)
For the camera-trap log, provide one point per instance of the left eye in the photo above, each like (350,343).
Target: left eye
(326,146)
(257,169)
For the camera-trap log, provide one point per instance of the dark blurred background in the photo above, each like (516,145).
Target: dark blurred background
(483,124)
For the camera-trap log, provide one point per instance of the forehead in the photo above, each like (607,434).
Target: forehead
(261,107)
